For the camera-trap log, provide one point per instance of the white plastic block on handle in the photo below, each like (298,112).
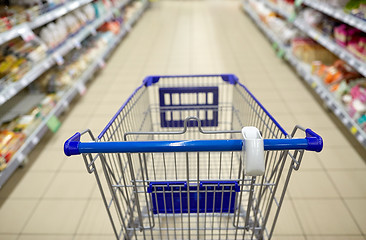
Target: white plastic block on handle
(253,151)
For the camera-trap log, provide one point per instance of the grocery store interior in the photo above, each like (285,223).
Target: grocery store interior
(69,65)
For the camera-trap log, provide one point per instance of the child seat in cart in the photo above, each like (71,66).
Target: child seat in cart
(193,157)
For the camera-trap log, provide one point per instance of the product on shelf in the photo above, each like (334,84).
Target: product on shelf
(17,57)
(307,50)
(55,33)
(335,73)
(356,8)
(279,26)
(20,11)
(10,142)
(344,35)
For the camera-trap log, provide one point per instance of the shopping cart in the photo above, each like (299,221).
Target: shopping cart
(190,157)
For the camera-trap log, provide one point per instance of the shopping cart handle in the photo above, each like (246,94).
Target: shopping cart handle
(315,142)
(73,146)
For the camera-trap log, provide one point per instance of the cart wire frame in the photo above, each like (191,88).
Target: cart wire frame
(170,164)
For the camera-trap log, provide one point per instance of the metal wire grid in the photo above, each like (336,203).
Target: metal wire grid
(127,176)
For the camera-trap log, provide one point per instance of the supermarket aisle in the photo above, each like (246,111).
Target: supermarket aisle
(53,197)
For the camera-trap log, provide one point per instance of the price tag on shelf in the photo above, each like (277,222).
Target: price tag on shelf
(292,17)
(77,44)
(12,91)
(314,85)
(59,59)
(2,99)
(128,27)
(354,130)
(26,33)
(281,53)
(53,123)
(101,63)
(35,140)
(360,138)
(20,157)
(81,89)
(298,3)
(93,31)
(46,65)
(275,46)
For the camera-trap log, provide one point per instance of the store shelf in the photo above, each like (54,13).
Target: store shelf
(270,35)
(328,98)
(65,99)
(328,43)
(56,57)
(337,14)
(304,71)
(276,9)
(41,20)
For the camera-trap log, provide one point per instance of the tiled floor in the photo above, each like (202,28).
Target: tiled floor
(53,197)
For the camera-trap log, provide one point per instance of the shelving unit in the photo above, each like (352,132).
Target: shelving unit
(336,13)
(41,20)
(67,96)
(304,71)
(328,43)
(56,57)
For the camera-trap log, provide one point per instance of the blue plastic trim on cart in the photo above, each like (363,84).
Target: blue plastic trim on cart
(209,196)
(312,142)
(151,80)
(230,78)
(170,105)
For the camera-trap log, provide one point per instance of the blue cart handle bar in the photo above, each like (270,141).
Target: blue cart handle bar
(73,146)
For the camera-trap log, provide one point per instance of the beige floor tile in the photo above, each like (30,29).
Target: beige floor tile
(350,183)
(44,237)
(325,217)
(332,138)
(15,214)
(314,121)
(358,210)
(341,158)
(302,107)
(74,164)
(277,107)
(47,159)
(57,141)
(310,161)
(74,185)
(345,237)
(287,223)
(56,217)
(8,236)
(286,120)
(94,237)
(32,185)
(288,237)
(311,184)
(95,220)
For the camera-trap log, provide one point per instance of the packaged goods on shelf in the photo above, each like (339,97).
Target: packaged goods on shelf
(54,33)
(17,57)
(356,8)
(335,73)
(10,142)
(307,50)
(53,84)
(131,9)
(18,12)
(279,26)
(352,39)
(344,35)
(286,5)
